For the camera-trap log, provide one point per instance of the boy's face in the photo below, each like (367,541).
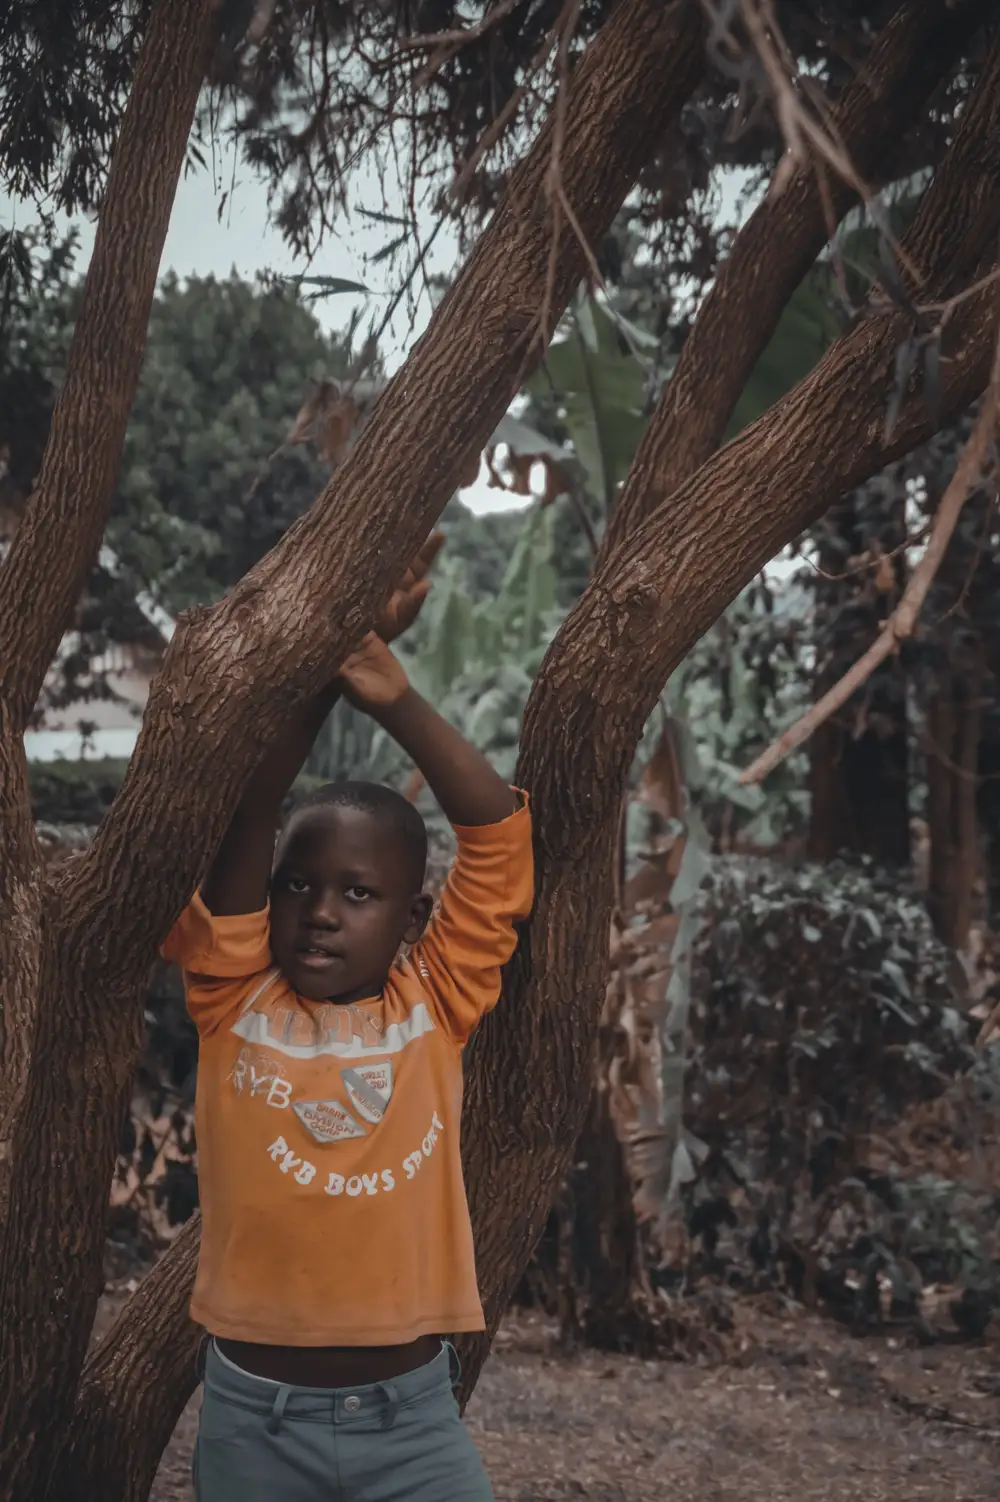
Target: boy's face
(342,903)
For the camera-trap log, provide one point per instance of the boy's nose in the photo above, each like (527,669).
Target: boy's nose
(325,912)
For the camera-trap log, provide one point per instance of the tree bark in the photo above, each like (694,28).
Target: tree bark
(135,1385)
(780,242)
(649,601)
(272,641)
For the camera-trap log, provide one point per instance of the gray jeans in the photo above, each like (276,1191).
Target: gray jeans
(398,1441)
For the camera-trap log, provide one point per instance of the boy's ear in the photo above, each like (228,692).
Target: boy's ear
(420,912)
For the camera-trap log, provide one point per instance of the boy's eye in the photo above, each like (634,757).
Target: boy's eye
(296,884)
(358,894)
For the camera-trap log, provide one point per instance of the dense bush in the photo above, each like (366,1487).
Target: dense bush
(827,1017)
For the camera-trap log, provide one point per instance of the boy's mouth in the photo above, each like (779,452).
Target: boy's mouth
(313,957)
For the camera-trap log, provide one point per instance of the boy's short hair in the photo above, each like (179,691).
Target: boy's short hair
(383,803)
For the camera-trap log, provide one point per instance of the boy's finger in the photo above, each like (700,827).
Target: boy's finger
(427,554)
(415,597)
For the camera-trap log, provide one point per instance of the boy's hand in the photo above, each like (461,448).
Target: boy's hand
(371,678)
(403,605)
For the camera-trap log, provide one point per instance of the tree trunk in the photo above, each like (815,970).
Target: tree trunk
(859,759)
(858,788)
(69,1046)
(135,1385)
(606,1267)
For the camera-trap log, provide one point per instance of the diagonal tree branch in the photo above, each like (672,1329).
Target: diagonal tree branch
(779,243)
(58,540)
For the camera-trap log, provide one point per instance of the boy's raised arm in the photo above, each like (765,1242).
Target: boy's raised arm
(239,876)
(470,792)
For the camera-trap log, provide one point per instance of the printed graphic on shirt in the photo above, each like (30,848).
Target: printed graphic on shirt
(369,1087)
(379,1181)
(345,1032)
(254,1070)
(327,1120)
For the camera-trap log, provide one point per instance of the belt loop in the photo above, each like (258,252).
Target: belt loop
(391,1404)
(454,1365)
(278,1409)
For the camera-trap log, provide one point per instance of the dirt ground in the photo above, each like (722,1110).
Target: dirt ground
(802,1412)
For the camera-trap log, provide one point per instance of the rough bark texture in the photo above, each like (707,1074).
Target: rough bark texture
(135,1385)
(273,640)
(780,242)
(87,432)
(59,1120)
(647,605)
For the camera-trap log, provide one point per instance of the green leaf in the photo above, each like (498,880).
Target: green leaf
(806,329)
(601,391)
(326,286)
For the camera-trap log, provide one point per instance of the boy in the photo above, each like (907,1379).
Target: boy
(336,1247)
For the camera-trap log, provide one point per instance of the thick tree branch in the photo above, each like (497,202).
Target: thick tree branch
(135,1383)
(231,674)
(779,243)
(901,623)
(20,935)
(58,540)
(642,614)
(55,1094)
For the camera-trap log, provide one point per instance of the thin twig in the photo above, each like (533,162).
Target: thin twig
(869,563)
(461,36)
(492,134)
(900,625)
(798,126)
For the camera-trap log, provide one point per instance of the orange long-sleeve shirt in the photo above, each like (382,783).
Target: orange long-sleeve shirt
(333,1206)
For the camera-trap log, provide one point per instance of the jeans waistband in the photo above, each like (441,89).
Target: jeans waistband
(377,1400)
